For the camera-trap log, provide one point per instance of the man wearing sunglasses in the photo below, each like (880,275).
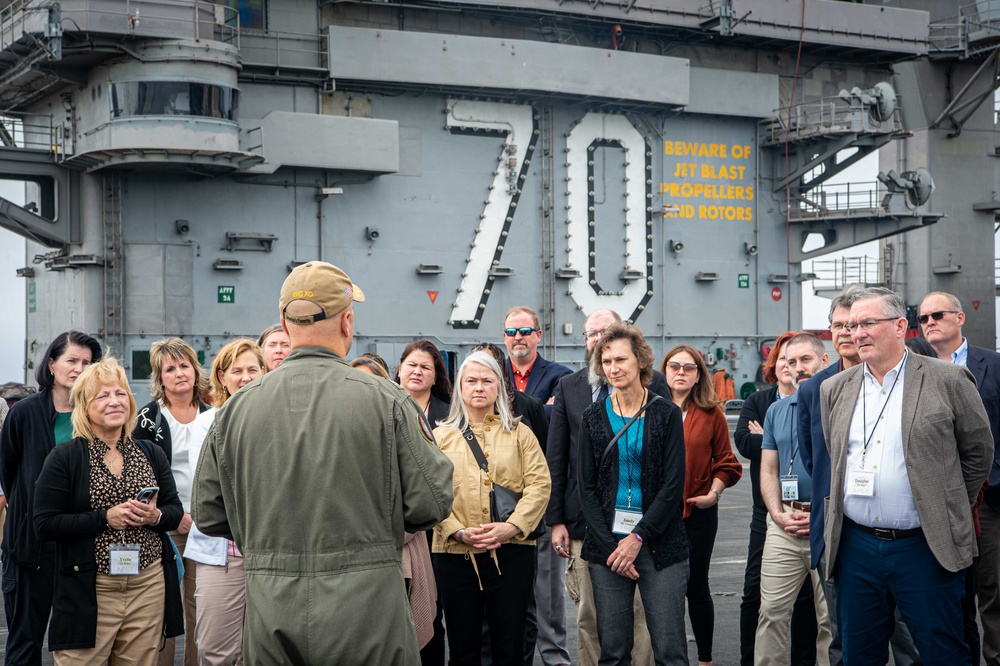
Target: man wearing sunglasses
(910,446)
(941,319)
(538,377)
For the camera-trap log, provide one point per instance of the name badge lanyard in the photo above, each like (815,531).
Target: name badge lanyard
(629,451)
(792,438)
(864,412)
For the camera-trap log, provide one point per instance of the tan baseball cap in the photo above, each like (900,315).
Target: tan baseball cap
(320,283)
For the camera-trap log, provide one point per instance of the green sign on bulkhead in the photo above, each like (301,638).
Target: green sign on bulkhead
(227,294)
(744,279)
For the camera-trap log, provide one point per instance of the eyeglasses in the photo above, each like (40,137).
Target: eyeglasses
(837,327)
(524,331)
(936,316)
(685,367)
(866,324)
(590,335)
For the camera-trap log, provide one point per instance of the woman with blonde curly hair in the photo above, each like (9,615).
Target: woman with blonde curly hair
(178,421)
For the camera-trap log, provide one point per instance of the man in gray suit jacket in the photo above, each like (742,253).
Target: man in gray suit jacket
(910,445)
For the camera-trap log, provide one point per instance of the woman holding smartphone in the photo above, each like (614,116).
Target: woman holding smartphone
(112,550)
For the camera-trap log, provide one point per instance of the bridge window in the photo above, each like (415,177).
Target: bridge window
(173,98)
(253,13)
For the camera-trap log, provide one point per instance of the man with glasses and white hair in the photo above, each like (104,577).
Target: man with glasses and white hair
(910,445)
(941,318)
(574,394)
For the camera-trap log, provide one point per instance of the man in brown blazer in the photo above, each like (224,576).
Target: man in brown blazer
(910,445)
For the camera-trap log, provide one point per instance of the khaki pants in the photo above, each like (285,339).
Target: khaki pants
(129,621)
(579,588)
(190,618)
(783,568)
(221,595)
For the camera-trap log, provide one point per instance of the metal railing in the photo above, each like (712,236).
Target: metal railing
(277,49)
(835,274)
(184,19)
(975,30)
(840,199)
(32,131)
(828,115)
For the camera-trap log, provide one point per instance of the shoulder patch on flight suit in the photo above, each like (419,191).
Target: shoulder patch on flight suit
(425,428)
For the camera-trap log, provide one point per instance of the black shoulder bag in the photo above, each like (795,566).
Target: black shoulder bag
(503,500)
(614,440)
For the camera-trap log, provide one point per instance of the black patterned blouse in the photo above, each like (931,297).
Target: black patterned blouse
(108,490)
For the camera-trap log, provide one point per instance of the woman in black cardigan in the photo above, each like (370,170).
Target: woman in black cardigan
(632,498)
(116,590)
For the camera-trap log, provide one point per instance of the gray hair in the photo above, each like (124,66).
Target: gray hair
(892,303)
(845,299)
(953,301)
(458,415)
(614,315)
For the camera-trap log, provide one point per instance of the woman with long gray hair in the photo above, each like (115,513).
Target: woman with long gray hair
(482,567)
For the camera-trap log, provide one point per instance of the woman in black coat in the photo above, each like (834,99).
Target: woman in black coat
(116,592)
(631,493)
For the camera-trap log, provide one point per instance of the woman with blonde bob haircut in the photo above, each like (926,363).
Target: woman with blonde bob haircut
(485,566)
(237,364)
(178,421)
(112,549)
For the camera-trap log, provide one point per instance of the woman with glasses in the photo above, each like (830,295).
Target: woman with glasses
(631,490)
(711,468)
(485,566)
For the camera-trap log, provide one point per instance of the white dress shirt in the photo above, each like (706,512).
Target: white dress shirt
(892,506)
(186,440)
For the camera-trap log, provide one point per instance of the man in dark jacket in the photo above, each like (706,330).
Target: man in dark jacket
(537,377)
(941,318)
(573,395)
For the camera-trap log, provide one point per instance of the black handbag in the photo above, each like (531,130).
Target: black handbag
(503,500)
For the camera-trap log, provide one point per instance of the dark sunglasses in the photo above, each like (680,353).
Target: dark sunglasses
(936,316)
(524,331)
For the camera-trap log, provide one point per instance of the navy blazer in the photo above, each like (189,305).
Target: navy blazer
(815,457)
(985,367)
(542,380)
(574,396)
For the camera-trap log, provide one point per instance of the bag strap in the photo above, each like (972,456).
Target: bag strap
(635,417)
(477,450)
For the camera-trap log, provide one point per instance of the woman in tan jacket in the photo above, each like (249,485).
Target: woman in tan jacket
(486,567)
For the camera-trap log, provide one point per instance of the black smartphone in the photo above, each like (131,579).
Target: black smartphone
(146,494)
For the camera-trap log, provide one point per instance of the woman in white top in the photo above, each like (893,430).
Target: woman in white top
(178,421)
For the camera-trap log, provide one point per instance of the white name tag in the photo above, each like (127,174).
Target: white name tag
(860,483)
(790,487)
(625,521)
(124,559)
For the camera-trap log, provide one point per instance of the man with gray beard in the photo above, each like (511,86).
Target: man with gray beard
(574,394)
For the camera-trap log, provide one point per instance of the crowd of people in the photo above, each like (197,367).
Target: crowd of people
(457,518)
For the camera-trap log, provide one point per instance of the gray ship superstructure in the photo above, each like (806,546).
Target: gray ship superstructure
(668,159)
